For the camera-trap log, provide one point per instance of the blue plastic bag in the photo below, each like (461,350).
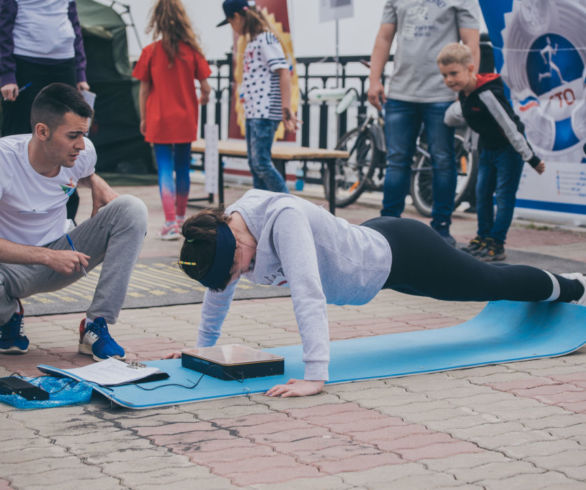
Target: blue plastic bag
(62,391)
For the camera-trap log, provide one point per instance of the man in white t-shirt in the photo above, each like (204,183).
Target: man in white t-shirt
(38,172)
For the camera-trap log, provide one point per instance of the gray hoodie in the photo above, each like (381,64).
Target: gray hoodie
(321,258)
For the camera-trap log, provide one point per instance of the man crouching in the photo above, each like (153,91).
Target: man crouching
(38,172)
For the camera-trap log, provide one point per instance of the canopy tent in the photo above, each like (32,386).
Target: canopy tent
(115,129)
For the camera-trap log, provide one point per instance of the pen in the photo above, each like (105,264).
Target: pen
(73,248)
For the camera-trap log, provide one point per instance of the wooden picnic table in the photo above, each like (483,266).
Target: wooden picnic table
(281,154)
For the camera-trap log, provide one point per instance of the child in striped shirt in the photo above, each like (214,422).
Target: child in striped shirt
(265,91)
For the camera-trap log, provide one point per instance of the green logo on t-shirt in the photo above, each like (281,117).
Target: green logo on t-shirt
(68,189)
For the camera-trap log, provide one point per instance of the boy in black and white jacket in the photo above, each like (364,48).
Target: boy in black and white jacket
(503,147)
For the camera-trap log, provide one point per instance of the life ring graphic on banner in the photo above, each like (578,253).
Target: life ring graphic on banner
(545,68)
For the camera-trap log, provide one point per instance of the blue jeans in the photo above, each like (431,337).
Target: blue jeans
(499,173)
(259,141)
(402,124)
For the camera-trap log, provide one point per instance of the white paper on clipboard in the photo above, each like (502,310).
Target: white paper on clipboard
(112,372)
(211,158)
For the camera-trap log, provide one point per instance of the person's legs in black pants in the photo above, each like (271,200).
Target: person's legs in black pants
(423,264)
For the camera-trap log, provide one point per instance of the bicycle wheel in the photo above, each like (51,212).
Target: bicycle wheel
(467,160)
(352,174)
(421,181)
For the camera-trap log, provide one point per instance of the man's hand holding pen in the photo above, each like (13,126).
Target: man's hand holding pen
(82,259)
(67,262)
(11,91)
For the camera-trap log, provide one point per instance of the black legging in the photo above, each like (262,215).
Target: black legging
(425,265)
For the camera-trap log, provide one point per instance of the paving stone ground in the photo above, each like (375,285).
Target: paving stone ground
(515,426)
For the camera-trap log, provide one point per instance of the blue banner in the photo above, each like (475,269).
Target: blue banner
(540,51)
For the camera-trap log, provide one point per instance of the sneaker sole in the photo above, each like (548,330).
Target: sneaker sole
(87,351)
(492,259)
(13,351)
(169,238)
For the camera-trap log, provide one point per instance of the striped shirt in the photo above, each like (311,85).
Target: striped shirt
(260,90)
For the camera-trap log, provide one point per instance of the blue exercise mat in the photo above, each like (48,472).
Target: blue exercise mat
(503,332)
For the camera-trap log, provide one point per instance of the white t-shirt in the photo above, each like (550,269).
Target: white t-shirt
(33,207)
(260,91)
(43,30)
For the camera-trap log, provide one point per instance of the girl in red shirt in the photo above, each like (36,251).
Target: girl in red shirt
(169,105)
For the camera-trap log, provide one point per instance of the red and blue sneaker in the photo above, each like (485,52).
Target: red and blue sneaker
(12,337)
(95,341)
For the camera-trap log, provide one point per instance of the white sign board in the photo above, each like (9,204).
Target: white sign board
(335,9)
(211,158)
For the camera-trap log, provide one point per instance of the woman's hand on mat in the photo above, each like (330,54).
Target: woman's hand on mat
(172,355)
(67,261)
(296,387)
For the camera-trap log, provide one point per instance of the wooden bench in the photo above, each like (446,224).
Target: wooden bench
(281,154)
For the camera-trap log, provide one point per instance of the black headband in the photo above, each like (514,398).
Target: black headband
(215,277)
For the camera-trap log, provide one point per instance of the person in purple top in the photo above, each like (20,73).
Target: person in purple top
(40,43)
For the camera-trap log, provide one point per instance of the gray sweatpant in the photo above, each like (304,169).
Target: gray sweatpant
(114,237)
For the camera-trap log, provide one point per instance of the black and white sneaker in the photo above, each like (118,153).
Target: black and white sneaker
(578,277)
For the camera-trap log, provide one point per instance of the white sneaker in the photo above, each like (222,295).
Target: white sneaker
(578,277)
(170,232)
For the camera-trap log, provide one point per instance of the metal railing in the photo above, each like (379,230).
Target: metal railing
(313,73)
(351,73)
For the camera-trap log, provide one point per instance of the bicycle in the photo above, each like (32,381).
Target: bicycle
(365,167)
